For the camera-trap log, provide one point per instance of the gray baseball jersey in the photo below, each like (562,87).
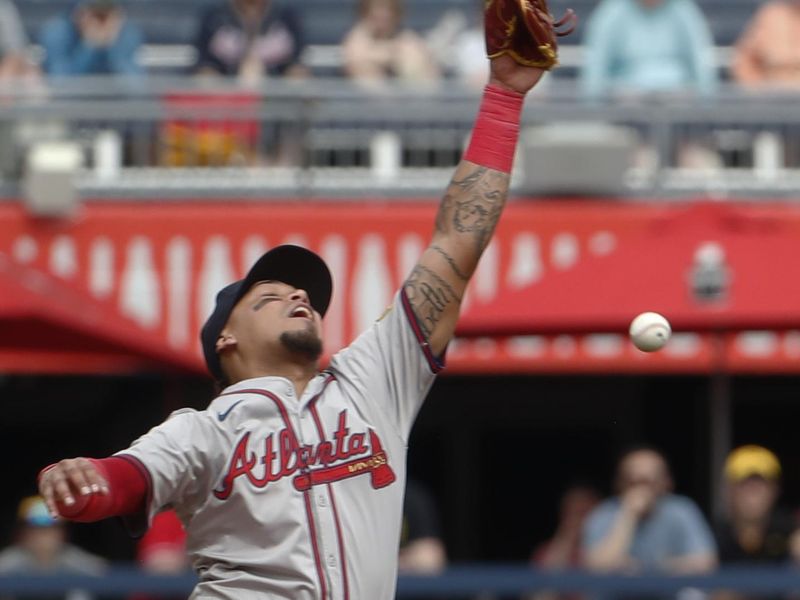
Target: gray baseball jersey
(301,498)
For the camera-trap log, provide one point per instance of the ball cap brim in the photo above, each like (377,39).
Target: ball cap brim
(293,265)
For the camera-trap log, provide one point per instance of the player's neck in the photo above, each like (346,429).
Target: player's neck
(299,373)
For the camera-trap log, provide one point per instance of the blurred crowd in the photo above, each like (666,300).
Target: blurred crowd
(644,526)
(664,46)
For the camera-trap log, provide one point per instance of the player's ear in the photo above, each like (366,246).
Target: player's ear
(225,340)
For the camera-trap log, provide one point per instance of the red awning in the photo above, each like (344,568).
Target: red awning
(49,327)
(744,265)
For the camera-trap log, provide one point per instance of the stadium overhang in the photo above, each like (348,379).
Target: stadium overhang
(554,291)
(707,267)
(48,326)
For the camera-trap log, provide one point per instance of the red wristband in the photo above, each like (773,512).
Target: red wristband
(494,137)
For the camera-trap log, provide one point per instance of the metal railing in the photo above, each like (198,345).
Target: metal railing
(461,581)
(154,137)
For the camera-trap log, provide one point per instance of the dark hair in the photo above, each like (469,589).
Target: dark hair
(396,6)
(629,449)
(220,385)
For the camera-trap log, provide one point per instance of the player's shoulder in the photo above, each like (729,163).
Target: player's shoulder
(227,402)
(185,419)
(192,415)
(231,407)
(394,314)
(184,413)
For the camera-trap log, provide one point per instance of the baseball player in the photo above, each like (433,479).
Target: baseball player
(290,484)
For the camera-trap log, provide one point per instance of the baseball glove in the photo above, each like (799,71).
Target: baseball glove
(526,31)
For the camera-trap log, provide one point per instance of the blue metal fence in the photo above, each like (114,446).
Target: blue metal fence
(459,581)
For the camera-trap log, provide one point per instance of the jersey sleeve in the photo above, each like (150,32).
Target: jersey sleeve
(391,365)
(179,459)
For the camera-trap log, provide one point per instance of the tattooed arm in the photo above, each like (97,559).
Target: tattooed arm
(466,220)
(468,215)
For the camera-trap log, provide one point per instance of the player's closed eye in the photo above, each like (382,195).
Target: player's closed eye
(264,299)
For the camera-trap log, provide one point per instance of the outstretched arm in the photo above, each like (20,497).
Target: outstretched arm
(87,489)
(472,204)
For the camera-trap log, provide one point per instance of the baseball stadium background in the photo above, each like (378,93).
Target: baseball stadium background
(127,202)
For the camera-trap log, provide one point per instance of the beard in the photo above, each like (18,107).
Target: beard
(304,342)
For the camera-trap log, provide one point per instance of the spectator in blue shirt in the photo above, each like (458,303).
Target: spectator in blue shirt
(41,548)
(93,38)
(648,46)
(646,527)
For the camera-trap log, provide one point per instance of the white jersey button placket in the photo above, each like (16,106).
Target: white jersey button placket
(324,518)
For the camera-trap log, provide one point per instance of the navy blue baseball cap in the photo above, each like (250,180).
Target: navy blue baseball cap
(293,265)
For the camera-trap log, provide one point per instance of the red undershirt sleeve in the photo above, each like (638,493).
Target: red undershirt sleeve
(127,493)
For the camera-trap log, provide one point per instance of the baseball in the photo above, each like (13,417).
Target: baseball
(650,331)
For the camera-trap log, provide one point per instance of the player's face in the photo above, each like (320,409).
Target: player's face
(273,315)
